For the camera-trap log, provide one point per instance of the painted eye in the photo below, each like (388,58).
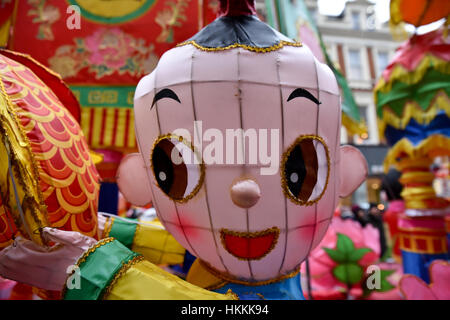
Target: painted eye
(305,169)
(178,169)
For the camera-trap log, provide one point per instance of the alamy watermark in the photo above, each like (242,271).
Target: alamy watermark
(373,281)
(73,22)
(234,147)
(74,280)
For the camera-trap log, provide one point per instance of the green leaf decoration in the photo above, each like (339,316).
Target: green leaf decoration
(385,284)
(349,273)
(344,244)
(348,270)
(336,255)
(357,254)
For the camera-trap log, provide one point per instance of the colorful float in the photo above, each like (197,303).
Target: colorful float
(413,106)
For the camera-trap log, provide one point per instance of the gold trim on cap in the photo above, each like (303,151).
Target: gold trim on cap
(275,47)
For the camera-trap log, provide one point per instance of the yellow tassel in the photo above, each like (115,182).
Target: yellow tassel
(401,74)
(412,110)
(433,146)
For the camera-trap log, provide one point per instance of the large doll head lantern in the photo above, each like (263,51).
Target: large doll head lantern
(243,219)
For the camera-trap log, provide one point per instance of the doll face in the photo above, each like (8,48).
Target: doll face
(247,224)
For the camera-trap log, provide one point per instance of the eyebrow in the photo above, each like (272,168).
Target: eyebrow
(165,93)
(300,92)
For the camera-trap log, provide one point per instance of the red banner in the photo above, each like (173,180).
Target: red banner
(102,48)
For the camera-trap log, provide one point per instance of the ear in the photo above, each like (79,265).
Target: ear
(354,170)
(133,181)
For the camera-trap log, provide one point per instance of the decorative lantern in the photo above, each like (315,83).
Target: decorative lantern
(250,221)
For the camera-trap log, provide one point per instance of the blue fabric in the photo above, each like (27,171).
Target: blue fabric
(416,132)
(287,289)
(418,263)
(182,269)
(448,244)
(108,198)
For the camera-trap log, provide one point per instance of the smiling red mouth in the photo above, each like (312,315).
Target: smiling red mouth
(249,245)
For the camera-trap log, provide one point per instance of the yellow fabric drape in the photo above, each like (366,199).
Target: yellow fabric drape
(157,245)
(145,281)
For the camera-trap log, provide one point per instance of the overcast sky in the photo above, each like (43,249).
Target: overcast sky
(335,7)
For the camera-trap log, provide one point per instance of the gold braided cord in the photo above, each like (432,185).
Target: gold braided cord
(123,269)
(232,294)
(412,110)
(108,226)
(24,167)
(228,278)
(275,47)
(91,250)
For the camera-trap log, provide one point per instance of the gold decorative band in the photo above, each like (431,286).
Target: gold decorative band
(228,278)
(91,250)
(108,226)
(120,273)
(275,47)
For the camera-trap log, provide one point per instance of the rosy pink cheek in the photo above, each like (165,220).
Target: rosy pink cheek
(305,235)
(175,230)
(188,225)
(192,233)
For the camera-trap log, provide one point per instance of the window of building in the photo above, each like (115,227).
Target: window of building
(356,21)
(355,71)
(382,61)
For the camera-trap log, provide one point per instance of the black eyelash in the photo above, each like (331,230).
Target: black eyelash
(299,92)
(165,93)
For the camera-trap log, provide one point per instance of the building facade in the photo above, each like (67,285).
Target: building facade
(361,47)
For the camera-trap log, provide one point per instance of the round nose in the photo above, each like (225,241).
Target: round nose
(245,193)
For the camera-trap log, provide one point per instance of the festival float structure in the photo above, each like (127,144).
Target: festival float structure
(413,108)
(47,175)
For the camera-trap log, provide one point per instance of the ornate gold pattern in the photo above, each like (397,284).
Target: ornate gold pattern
(228,278)
(91,250)
(232,294)
(27,173)
(123,269)
(275,47)
(273,230)
(197,154)
(108,226)
(284,158)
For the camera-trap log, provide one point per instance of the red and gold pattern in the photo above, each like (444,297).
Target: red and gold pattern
(422,235)
(66,180)
(7,227)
